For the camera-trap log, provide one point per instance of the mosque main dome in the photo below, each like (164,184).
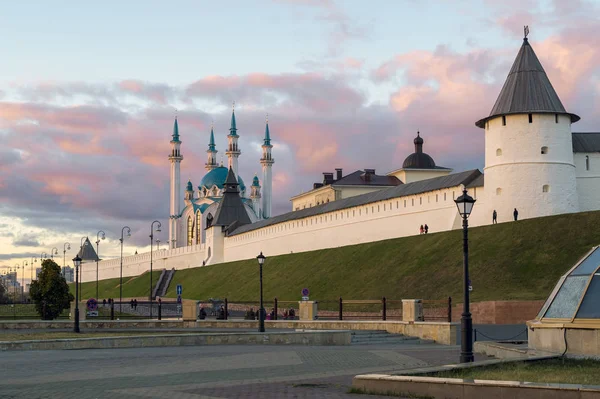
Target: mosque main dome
(217,177)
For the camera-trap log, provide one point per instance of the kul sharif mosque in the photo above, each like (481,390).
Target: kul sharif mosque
(187,226)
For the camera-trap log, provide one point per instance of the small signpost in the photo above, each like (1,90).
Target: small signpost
(92,307)
(305,293)
(179,289)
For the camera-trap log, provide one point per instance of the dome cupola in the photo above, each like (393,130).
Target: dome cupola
(418,160)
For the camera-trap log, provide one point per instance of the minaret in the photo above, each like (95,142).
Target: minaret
(528,146)
(233,151)
(211,162)
(255,197)
(189,193)
(175,158)
(267,162)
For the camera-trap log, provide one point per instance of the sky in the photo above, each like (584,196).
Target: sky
(89,92)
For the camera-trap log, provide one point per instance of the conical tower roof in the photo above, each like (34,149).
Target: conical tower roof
(267,134)
(87,252)
(211,143)
(527,89)
(231,208)
(175,131)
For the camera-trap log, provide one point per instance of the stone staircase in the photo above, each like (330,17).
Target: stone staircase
(378,337)
(164,283)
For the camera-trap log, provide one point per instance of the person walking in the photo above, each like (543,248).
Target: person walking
(494,217)
(516,214)
(426,229)
(421,229)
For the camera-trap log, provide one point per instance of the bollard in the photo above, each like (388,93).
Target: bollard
(275,303)
(475,334)
(159,309)
(226,309)
(384,304)
(341,309)
(449,309)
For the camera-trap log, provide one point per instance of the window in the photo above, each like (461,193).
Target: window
(545,188)
(420,200)
(587,162)
(397,204)
(530,118)
(198,227)
(544,150)
(436,198)
(444,196)
(413,202)
(405,203)
(383,207)
(503,120)
(498,152)
(555,118)
(190,231)
(498,191)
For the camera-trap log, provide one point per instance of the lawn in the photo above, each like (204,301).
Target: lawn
(566,371)
(517,260)
(137,286)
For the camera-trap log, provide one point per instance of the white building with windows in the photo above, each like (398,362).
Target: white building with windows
(533,163)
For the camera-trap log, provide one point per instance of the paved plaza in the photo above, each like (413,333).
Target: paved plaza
(204,372)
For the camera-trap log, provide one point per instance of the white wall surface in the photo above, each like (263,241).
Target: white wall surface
(588,181)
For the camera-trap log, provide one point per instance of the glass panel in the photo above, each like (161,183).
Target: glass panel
(589,308)
(566,300)
(589,265)
(551,297)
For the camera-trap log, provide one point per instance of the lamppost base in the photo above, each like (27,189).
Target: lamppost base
(76,327)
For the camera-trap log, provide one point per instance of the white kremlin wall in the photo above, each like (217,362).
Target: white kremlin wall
(588,189)
(361,224)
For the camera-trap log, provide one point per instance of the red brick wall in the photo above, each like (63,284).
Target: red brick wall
(500,312)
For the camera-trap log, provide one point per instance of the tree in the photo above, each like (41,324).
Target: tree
(3,296)
(50,291)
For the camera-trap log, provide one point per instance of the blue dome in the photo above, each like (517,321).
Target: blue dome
(255,181)
(189,186)
(217,177)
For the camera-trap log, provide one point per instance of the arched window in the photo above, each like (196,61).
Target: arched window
(544,150)
(587,162)
(190,231)
(498,152)
(545,188)
(530,118)
(503,120)
(198,227)
(498,191)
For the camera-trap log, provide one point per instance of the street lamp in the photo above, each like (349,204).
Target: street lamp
(77,263)
(151,242)
(16,281)
(121,276)
(33,260)
(261,318)
(66,247)
(81,263)
(53,251)
(23,282)
(99,235)
(465,205)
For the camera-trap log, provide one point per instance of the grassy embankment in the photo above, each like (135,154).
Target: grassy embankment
(521,260)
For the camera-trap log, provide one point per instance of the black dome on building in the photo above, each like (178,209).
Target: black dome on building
(418,160)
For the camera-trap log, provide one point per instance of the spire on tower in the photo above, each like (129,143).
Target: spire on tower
(211,143)
(233,128)
(267,134)
(175,130)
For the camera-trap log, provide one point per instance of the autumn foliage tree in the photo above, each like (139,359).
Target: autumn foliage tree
(50,291)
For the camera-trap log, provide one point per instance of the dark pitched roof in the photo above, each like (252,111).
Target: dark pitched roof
(586,142)
(359,178)
(478,182)
(527,89)
(87,252)
(422,186)
(231,208)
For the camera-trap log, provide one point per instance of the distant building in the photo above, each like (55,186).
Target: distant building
(68,273)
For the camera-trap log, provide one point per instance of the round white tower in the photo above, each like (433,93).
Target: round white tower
(528,146)
(175,195)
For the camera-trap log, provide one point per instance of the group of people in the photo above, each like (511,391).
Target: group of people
(424,229)
(495,216)
(287,314)
(109,302)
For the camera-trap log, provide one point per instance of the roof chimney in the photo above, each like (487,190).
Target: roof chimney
(327,178)
(338,173)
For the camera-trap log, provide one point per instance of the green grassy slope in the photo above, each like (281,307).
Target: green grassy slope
(138,286)
(521,260)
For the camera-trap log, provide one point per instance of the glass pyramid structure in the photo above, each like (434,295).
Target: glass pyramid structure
(576,297)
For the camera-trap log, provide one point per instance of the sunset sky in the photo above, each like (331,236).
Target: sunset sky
(88,93)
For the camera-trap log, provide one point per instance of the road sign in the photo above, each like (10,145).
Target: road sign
(305,292)
(92,305)
(179,289)
(178,298)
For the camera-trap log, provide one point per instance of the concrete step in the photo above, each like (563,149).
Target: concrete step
(383,337)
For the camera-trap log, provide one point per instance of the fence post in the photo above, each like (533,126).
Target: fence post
(341,313)
(384,303)
(112,310)
(159,309)
(275,316)
(449,309)
(475,334)
(226,308)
